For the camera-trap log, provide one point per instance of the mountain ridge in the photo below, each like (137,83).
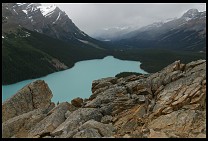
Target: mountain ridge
(187,32)
(55,43)
(49,20)
(42,40)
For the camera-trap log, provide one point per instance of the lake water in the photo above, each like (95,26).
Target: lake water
(77,81)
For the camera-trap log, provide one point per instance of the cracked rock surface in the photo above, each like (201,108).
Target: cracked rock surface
(168,104)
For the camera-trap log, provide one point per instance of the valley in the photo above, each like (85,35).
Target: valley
(76,81)
(39,40)
(103,70)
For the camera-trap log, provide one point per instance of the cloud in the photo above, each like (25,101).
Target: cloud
(91,18)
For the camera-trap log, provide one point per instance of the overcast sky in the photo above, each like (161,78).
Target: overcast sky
(91,17)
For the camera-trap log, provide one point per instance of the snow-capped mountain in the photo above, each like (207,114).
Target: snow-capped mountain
(191,14)
(49,20)
(187,32)
(38,40)
(112,33)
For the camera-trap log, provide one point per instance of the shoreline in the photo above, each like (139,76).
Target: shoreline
(72,67)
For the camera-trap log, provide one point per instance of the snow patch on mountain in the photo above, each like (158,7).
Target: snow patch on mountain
(19,4)
(29,5)
(57,18)
(15,11)
(168,20)
(49,14)
(25,11)
(46,9)
(187,18)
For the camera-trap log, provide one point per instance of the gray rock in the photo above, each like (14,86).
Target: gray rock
(67,114)
(55,117)
(106,109)
(33,96)
(193,64)
(106,119)
(105,130)
(102,83)
(134,96)
(141,99)
(87,133)
(129,96)
(20,125)
(131,86)
(172,100)
(76,119)
(95,103)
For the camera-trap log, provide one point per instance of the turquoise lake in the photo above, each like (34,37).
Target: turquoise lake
(77,81)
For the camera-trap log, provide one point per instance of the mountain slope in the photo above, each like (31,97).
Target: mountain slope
(112,33)
(49,20)
(38,40)
(37,55)
(185,33)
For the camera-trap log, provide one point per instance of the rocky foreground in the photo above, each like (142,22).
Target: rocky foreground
(168,104)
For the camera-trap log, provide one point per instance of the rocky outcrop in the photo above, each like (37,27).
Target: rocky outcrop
(33,96)
(168,104)
(69,127)
(176,107)
(105,130)
(19,125)
(54,118)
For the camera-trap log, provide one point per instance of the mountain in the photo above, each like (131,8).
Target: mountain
(112,33)
(185,33)
(48,20)
(170,103)
(38,40)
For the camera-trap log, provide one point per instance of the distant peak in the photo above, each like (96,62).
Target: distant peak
(191,13)
(193,10)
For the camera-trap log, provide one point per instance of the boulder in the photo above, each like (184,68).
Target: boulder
(77,102)
(20,125)
(54,118)
(87,133)
(75,119)
(194,63)
(102,83)
(180,122)
(106,119)
(106,109)
(141,99)
(95,103)
(33,96)
(67,114)
(105,130)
